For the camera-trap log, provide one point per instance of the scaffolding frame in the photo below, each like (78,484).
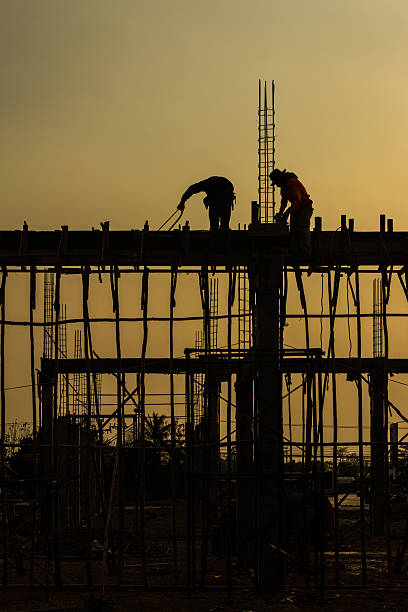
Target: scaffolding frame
(252,484)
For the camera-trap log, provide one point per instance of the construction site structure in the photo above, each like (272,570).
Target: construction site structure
(230,490)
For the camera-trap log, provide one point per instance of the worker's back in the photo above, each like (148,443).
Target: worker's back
(216,185)
(294,191)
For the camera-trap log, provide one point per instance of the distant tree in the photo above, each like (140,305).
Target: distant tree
(157,429)
(22,461)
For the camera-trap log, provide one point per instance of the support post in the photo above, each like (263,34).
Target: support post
(246,488)
(267,280)
(208,462)
(378,437)
(46,449)
(213,441)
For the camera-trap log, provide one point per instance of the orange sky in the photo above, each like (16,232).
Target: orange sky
(109,110)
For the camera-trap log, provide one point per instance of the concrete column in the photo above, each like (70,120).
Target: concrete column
(267,281)
(378,438)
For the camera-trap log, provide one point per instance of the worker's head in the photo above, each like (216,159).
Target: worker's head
(277,177)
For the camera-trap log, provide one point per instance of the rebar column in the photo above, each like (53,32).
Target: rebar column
(378,438)
(267,284)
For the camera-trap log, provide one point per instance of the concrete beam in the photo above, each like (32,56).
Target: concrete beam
(191,248)
(224,367)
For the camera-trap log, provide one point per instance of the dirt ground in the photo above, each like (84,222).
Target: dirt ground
(19,598)
(242,601)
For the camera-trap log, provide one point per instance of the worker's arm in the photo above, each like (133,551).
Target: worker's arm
(192,190)
(282,215)
(283,205)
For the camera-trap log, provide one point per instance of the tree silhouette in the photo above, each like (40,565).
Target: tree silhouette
(157,429)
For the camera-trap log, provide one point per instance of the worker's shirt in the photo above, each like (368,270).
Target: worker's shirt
(295,193)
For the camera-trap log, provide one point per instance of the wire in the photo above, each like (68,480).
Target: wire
(398,382)
(19,387)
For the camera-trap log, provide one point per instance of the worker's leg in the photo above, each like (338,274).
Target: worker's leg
(214,217)
(300,238)
(225,215)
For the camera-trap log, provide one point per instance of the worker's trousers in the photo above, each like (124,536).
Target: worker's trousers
(220,214)
(300,238)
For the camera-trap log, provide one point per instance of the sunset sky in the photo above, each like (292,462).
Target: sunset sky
(111,108)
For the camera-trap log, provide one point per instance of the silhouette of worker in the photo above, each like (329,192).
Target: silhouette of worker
(300,210)
(219,200)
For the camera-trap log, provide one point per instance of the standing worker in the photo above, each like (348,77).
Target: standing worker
(219,200)
(300,210)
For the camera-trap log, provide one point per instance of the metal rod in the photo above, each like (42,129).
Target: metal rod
(273,147)
(333,304)
(87,467)
(173,284)
(360,436)
(3,424)
(56,512)
(385,282)
(34,417)
(144,306)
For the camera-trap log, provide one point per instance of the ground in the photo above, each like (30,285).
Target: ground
(25,601)
(161,596)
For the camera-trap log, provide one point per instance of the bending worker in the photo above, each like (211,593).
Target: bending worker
(219,199)
(300,210)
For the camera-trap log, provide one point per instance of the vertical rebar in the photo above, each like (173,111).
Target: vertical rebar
(288,388)
(321,483)
(273,147)
(188,437)
(260,146)
(303,420)
(266,148)
(231,298)
(209,488)
(360,435)
(332,310)
(144,307)
(173,284)
(87,468)
(55,441)
(386,283)
(34,416)
(120,383)
(4,509)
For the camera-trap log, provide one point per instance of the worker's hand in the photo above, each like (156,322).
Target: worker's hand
(181,206)
(281,217)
